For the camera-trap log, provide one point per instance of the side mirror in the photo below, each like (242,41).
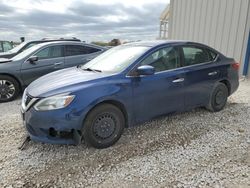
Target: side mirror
(145,70)
(32,59)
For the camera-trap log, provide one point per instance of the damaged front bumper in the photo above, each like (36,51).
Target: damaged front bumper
(55,127)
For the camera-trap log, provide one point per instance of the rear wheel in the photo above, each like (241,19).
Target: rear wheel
(9,88)
(103,126)
(218,98)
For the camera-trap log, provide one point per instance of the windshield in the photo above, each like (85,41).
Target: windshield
(26,53)
(116,59)
(17,48)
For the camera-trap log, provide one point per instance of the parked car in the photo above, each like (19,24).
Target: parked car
(25,45)
(124,86)
(41,59)
(5,46)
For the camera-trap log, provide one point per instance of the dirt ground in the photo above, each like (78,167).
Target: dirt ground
(191,149)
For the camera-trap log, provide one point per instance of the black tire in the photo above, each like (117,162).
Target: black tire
(9,88)
(103,126)
(218,97)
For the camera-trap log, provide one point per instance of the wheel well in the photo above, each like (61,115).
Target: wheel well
(18,81)
(227,83)
(116,104)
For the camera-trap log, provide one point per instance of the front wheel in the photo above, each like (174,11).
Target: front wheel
(103,126)
(9,88)
(218,98)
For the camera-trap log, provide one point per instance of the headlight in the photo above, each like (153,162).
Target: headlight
(54,102)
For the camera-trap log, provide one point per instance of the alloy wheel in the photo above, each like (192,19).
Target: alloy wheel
(7,89)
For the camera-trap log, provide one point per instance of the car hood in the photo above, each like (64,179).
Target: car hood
(63,81)
(5,60)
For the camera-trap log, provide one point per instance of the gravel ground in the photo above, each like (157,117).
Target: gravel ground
(192,149)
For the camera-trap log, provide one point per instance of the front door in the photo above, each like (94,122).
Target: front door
(49,59)
(160,93)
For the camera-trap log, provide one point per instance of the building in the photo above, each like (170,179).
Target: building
(222,24)
(164,23)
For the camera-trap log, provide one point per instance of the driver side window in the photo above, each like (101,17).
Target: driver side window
(50,52)
(163,59)
(43,54)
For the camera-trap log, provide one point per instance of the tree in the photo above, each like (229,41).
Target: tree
(115,42)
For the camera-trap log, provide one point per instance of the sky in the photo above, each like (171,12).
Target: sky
(88,20)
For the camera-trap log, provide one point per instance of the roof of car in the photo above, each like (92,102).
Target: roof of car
(60,42)
(153,43)
(54,39)
(60,39)
(68,42)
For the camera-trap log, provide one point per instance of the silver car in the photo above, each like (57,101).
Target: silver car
(41,59)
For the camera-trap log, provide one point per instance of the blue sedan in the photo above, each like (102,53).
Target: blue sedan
(124,86)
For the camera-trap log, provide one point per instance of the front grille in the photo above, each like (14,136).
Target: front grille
(28,99)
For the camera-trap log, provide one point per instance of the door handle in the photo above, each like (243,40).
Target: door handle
(57,64)
(212,73)
(88,59)
(178,80)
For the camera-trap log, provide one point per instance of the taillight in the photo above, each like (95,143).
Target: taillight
(236,66)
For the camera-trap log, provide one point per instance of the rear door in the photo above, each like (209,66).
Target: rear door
(79,54)
(201,72)
(49,59)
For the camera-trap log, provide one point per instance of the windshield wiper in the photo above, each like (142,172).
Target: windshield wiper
(93,70)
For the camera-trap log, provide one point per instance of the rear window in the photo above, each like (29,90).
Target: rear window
(195,55)
(212,54)
(72,50)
